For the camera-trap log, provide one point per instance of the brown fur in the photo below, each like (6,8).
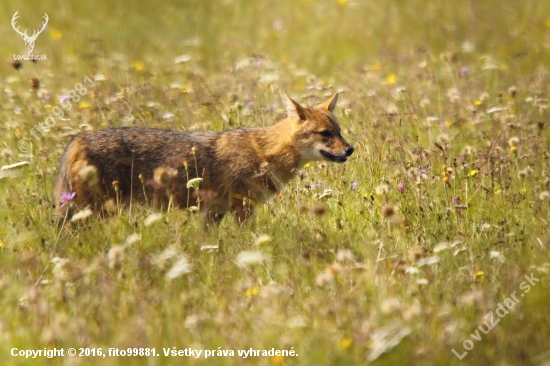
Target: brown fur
(239,168)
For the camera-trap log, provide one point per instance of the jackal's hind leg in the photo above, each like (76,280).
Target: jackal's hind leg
(214,211)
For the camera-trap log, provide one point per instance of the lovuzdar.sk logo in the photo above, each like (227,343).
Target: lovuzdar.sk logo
(29,40)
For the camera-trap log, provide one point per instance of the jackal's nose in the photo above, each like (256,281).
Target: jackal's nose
(349,151)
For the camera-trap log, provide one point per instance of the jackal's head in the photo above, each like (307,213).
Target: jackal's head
(317,133)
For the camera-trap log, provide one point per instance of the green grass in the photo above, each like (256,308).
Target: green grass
(428,87)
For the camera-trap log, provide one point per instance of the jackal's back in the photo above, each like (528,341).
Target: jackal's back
(128,157)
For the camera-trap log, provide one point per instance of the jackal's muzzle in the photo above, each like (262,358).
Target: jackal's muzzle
(340,157)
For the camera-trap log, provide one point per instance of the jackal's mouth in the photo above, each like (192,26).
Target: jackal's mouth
(334,157)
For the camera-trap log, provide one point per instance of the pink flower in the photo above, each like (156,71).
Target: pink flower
(455,201)
(401,187)
(63,98)
(66,197)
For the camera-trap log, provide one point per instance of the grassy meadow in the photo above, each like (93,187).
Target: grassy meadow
(397,257)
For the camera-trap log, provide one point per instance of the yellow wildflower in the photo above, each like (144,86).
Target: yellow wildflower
(138,65)
(55,34)
(275,360)
(345,343)
(478,274)
(252,292)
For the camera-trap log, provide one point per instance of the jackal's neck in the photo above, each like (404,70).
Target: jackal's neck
(276,147)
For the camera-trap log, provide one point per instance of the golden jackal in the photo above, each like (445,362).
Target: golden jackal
(238,168)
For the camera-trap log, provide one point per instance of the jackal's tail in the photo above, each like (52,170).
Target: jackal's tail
(62,186)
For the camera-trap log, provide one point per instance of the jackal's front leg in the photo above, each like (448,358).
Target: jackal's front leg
(242,208)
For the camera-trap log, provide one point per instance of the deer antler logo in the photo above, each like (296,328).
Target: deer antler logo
(29,40)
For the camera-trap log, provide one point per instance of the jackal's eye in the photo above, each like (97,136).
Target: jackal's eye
(326,133)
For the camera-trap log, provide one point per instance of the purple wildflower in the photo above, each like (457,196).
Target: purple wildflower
(455,201)
(258,62)
(464,71)
(278,24)
(249,104)
(63,98)
(353,186)
(66,197)
(45,95)
(401,187)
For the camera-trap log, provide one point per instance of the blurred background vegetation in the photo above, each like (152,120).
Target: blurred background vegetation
(319,35)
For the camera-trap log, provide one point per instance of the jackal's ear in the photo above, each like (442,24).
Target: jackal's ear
(330,104)
(294,109)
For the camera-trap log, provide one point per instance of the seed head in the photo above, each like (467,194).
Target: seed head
(513,141)
(388,211)
(390,305)
(115,256)
(525,172)
(468,150)
(110,205)
(16,64)
(443,138)
(35,83)
(382,189)
(162,177)
(453,95)
(415,254)
(485,227)
(318,208)
(7,153)
(344,255)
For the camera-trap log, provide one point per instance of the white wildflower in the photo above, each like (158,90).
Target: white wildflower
(152,218)
(81,215)
(263,239)
(181,267)
(246,258)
